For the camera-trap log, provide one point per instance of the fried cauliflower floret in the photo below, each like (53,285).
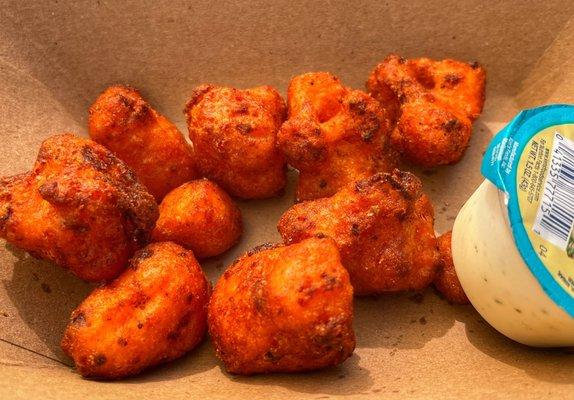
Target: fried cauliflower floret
(200,216)
(446,281)
(433,103)
(80,207)
(334,135)
(235,137)
(383,227)
(283,309)
(154,312)
(153,147)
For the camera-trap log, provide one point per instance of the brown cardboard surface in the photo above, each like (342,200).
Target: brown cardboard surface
(55,57)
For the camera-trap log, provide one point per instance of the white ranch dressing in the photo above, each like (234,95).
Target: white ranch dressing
(513,241)
(496,279)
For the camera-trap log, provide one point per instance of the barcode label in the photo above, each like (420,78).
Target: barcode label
(555,215)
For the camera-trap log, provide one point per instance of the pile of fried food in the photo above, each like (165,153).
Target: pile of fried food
(360,226)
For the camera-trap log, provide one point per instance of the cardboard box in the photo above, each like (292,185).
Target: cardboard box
(55,57)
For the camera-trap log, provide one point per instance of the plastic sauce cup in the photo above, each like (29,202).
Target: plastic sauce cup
(512,242)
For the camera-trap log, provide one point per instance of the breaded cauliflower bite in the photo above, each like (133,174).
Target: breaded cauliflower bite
(283,309)
(154,312)
(234,133)
(80,207)
(433,103)
(334,135)
(200,216)
(446,281)
(121,120)
(383,227)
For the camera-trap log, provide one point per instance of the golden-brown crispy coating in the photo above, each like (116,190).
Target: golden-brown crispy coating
(80,207)
(433,103)
(446,281)
(200,216)
(235,137)
(283,309)
(383,227)
(122,121)
(334,135)
(154,312)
